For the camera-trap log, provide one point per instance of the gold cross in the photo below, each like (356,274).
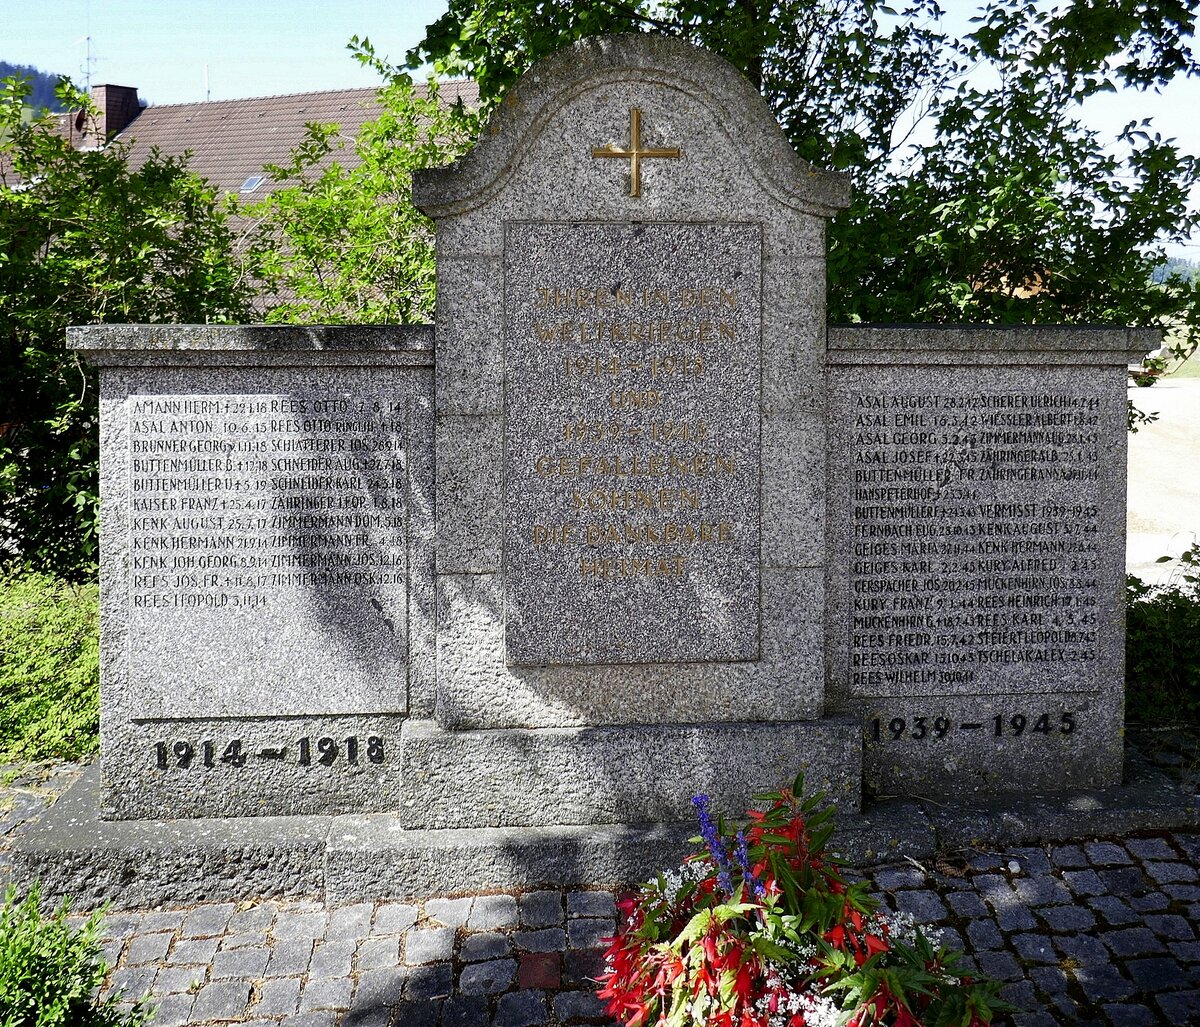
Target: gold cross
(635,153)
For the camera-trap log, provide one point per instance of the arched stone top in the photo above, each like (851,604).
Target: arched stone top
(552,83)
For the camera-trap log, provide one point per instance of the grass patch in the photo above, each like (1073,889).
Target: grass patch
(49,668)
(50,970)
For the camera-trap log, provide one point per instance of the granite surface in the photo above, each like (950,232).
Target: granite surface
(976,558)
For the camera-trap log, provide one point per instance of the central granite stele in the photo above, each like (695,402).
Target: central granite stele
(483,604)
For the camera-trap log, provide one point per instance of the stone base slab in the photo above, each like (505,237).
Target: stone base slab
(629,773)
(146,863)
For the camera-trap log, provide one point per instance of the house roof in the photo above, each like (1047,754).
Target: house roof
(230,140)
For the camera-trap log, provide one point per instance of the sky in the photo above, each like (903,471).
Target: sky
(177,51)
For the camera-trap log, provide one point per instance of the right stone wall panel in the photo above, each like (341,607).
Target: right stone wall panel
(976,530)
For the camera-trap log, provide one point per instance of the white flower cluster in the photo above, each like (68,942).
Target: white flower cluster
(671,882)
(903,929)
(818,1011)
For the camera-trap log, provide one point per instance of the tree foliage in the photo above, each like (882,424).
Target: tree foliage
(340,241)
(84,238)
(980,193)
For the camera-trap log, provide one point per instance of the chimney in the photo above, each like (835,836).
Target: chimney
(118,106)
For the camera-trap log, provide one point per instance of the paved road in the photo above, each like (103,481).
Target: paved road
(1164,475)
(1105,932)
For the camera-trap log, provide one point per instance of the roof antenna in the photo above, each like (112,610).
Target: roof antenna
(207,91)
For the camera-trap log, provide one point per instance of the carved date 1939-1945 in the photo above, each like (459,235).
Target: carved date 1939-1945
(324,751)
(899,729)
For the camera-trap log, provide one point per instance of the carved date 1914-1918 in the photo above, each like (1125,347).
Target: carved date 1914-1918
(324,751)
(917,729)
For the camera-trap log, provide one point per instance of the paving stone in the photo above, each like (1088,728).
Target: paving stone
(1000,965)
(541,909)
(1125,881)
(175,979)
(278,997)
(1021,995)
(492,911)
(1171,873)
(377,953)
(1106,854)
(255,918)
(1157,974)
(923,905)
(290,956)
(1171,927)
(394,918)
(1064,919)
(240,963)
(582,967)
(208,920)
(350,921)
(1014,917)
(1151,902)
(578,1005)
(1084,882)
(984,934)
(480,947)
(1032,860)
(1131,942)
(487,978)
(1151,848)
(450,912)
(307,924)
(380,987)
(1186,951)
(1084,950)
(984,861)
(428,945)
(1114,911)
(110,951)
(521,1009)
(173,1010)
(1131,1016)
(1035,1019)
(160,920)
(591,903)
(326,993)
(539,970)
(1071,856)
(891,879)
(589,933)
(967,904)
(1042,891)
(420,1013)
(132,981)
(323,1018)
(1049,979)
(367,1016)
(148,948)
(1183,892)
(193,951)
(548,939)
(246,940)
(1034,948)
(221,1000)
(465,1011)
(434,980)
(1179,1006)
(332,958)
(1103,984)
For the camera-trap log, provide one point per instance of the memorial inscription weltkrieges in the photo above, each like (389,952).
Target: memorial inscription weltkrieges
(632,442)
(279,521)
(973,563)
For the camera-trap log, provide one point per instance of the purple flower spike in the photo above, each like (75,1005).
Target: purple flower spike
(712,841)
(743,857)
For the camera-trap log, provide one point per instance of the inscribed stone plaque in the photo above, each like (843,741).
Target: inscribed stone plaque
(267,532)
(632,442)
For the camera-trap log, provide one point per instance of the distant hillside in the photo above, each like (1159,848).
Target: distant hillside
(43,83)
(1175,266)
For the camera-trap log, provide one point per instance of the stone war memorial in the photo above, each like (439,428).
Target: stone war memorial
(393,611)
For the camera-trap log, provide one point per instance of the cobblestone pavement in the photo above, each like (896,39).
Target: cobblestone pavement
(1102,931)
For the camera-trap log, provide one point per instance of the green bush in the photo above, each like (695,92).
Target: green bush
(49,668)
(1162,644)
(51,972)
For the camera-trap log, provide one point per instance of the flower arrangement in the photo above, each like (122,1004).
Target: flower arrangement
(760,929)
